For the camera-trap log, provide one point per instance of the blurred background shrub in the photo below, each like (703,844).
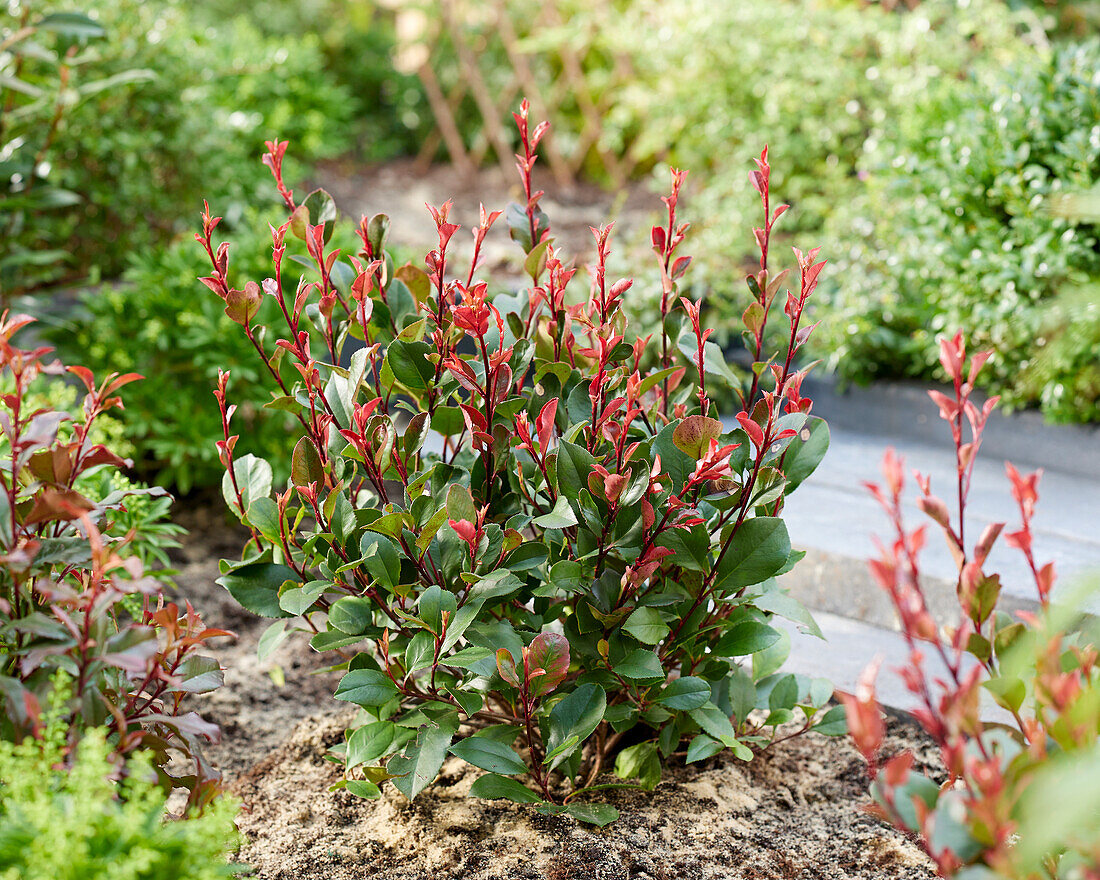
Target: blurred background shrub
(140,157)
(960,225)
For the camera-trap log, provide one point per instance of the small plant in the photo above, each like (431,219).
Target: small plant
(73,597)
(500,518)
(1042,676)
(64,815)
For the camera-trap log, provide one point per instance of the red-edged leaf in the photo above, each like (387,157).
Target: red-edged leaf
(549,654)
(506,666)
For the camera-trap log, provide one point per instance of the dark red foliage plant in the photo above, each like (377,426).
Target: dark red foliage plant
(73,603)
(1018,780)
(522,533)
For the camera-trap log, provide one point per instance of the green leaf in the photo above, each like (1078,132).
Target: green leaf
(779,602)
(757,552)
(70,24)
(410,365)
(255,586)
(298,600)
(467,656)
(369,742)
(600,815)
(363,788)
(527,556)
(536,259)
(496,585)
(745,638)
(772,658)
(639,761)
(561,517)
(332,640)
(715,722)
(433,602)
(494,787)
(272,637)
(417,767)
(489,755)
(640,665)
(460,503)
(420,652)
(833,723)
(701,748)
(322,209)
(805,451)
(254,479)
(366,688)
(577,715)
(575,463)
(199,675)
(784,694)
(381,558)
(352,615)
(263,515)
(685,693)
(646,625)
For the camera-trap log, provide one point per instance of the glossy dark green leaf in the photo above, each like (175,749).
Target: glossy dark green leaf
(418,766)
(256,585)
(758,550)
(685,693)
(494,787)
(575,716)
(366,688)
(493,756)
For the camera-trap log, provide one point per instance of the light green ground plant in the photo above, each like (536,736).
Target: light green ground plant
(63,817)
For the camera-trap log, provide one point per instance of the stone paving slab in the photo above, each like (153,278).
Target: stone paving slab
(834,513)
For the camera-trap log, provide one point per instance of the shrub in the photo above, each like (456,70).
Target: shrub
(175,332)
(960,227)
(46,71)
(389,113)
(495,518)
(140,157)
(63,817)
(1042,675)
(74,599)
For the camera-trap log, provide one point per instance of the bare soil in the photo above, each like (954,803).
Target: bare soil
(793,812)
(401,188)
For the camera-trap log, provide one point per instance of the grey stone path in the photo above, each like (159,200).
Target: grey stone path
(833,517)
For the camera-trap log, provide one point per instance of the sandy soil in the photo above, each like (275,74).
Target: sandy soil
(791,813)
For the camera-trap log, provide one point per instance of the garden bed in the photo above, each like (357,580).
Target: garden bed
(793,812)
